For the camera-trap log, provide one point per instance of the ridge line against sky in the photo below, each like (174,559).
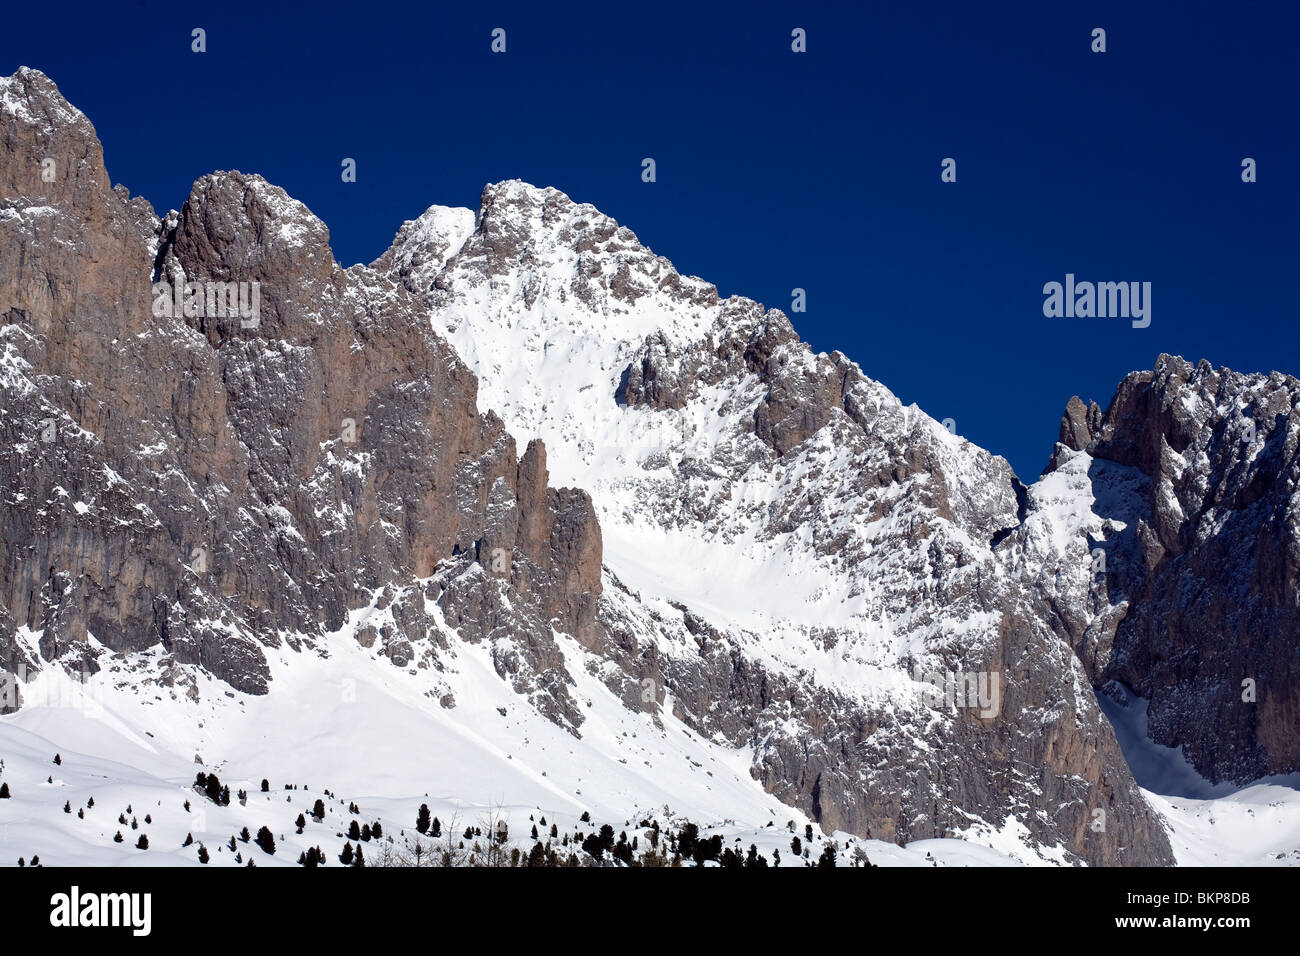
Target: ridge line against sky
(778,170)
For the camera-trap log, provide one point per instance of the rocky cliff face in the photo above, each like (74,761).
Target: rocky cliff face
(1196,469)
(219,485)
(768,547)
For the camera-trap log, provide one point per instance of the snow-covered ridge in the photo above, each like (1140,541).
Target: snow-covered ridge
(744,484)
(550,301)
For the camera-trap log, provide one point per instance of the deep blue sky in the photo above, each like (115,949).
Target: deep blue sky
(776,170)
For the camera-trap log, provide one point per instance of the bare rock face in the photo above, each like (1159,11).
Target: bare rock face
(1203,577)
(1078,424)
(70,247)
(225,483)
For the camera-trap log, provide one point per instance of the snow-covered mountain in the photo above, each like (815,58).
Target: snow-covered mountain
(727,578)
(795,549)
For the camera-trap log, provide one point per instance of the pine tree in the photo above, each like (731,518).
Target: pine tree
(203,853)
(266,785)
(622,850)
(243,835)
(266,841)
(90,803)
(300,823)
(189,838)
(142,843)
(117,837)
(796,847)
(354,830)
(346,856)
(376,830)
(4,791)
(67,806)
(318,811)
(593,846)
(828,854)
(422,819)
(360,861)
(58,760)
(436,829)
(687,837)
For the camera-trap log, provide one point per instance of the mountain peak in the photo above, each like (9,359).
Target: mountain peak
(423,245)
(516,213)
(48,148)
(519,191)
(31,96)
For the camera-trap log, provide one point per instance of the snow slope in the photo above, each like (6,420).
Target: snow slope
(372,734)
(1210,824)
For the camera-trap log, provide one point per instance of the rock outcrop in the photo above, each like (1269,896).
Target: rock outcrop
(180,473)
(1201,603)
